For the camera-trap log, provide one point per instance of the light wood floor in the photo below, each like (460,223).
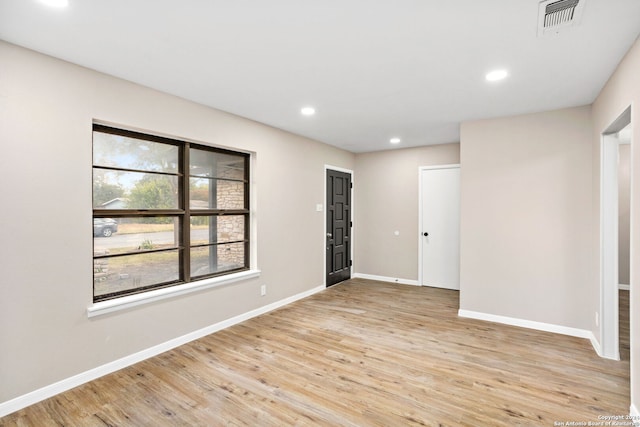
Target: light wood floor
(361,353)
(624,328)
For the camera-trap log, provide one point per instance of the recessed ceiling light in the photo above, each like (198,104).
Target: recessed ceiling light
(308,111)
(55,3)
(496,75)
(395,140)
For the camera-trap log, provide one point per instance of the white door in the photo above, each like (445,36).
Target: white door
(440,226)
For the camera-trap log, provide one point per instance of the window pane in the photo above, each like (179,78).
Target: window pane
(129,272)
(216,165)
(216,258)
(216,229)
(131,153)
(119,235)
(216,194)
(139,175)
(138,190)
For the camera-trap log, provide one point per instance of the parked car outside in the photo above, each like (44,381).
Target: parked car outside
(104,227)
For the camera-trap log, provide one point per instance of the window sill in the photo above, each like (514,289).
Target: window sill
(110,306)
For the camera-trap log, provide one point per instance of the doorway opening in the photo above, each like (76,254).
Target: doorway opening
(615,174)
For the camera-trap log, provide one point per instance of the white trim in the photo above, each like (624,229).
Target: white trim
(448,166)
(386,279)
(117,304)
(46,392)
(634,415)
(632,279)
(324,226)
(624,287)
(609,285)
(596,345)
(529,324)
(420,215)
(338,169)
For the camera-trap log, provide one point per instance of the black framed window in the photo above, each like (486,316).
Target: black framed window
(165,212)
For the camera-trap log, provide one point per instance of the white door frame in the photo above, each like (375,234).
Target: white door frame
(420,224)
(609,248)
(609,323)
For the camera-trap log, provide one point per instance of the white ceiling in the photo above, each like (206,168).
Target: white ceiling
(372,69)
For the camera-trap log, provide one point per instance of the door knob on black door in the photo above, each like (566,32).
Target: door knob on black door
(425,234)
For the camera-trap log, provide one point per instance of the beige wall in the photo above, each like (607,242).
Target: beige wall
(621,91)
(624,218)
(526,223)
(47,107)
(529,218)
(386,200)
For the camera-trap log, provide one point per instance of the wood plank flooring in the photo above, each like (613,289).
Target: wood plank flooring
(362,353)
(624,326)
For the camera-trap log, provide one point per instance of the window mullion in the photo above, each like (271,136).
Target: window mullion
(136,212)
(186,220)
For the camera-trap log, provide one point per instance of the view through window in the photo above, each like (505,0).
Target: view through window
(165,212)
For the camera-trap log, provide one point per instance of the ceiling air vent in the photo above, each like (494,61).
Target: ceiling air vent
(557,15)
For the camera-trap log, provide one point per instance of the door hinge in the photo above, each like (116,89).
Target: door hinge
(351,185)
(350,263)
(350,223)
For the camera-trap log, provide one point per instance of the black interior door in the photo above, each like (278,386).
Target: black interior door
(338,227)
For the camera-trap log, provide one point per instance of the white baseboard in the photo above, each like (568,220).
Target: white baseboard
(386,279)
(624,287)
(51,390)
(596,346)
(540,326)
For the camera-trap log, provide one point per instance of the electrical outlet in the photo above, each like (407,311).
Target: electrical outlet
(263,290)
